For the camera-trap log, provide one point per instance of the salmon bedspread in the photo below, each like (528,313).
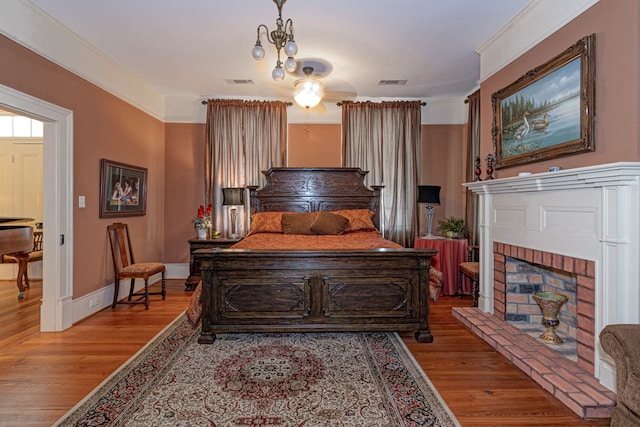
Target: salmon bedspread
(302,242)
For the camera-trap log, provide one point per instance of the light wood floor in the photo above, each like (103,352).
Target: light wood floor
(43,375)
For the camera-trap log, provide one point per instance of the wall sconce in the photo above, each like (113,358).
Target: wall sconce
(233,197)
(429,194)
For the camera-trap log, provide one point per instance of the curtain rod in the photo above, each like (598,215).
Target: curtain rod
(287,103)
(423,103)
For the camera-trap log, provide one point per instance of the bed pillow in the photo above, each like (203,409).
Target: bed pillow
(329,223)
(297,223)
(359,219)
(266,222)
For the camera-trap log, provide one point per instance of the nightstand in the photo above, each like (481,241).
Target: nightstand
(194,263)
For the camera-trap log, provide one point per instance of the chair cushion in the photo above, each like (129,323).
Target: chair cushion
(35,256)
(471,269)
(142,268)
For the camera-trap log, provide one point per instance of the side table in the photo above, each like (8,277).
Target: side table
(451,252)
(194,263)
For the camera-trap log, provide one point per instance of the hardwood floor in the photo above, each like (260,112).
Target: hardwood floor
(43,375)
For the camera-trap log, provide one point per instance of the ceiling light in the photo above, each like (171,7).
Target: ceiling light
(308,91)
(282,39)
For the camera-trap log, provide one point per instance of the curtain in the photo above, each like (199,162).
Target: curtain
(243,138)
(384,139)
(473,153)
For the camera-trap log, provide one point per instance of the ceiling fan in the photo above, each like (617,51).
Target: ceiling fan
(310,92)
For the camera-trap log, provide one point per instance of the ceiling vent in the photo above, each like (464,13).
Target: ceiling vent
(239,81)
(392,82)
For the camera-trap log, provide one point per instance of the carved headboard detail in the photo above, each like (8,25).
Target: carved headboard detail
(315,189)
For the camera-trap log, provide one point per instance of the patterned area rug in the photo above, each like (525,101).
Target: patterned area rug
(284,379)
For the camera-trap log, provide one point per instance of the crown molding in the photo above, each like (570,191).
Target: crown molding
(529,27)
(29,26)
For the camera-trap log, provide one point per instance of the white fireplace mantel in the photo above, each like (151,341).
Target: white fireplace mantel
(591,213)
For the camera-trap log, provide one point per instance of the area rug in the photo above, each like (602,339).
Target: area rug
(266,379)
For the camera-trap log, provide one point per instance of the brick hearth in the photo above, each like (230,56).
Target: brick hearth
(571,384)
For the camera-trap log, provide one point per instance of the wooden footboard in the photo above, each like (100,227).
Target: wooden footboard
(306,291)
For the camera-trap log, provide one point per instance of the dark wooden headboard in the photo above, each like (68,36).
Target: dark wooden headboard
(315,189)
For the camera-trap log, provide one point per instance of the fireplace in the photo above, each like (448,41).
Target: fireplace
(578,311)
(583,221)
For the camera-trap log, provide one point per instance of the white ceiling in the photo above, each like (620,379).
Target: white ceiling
(192,47)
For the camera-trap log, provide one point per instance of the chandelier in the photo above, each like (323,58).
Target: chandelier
(282,39)
(309,91)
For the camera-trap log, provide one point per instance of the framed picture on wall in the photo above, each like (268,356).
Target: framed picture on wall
(123,189)
(549,111)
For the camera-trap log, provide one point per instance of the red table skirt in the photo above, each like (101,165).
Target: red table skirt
(451,252)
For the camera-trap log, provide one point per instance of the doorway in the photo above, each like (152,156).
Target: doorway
(56,312)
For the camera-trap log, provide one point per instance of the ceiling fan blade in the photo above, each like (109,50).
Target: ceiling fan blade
(337,95)
(319,109)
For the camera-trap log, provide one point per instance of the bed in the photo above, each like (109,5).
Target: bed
(312,290)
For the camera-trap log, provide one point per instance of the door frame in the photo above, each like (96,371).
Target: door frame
(56,311)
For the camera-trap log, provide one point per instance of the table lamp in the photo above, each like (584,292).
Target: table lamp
(429,194)
(233,197)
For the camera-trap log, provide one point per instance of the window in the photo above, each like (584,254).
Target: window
(19,127)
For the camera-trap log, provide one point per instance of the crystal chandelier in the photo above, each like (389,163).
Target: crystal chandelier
(282,39)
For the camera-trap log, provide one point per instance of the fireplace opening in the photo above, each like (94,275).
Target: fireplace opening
(574,272)
(523,279)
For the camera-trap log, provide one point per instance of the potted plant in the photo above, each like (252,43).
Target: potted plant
(453,227)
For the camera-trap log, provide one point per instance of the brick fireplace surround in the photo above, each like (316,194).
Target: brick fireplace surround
(584,221)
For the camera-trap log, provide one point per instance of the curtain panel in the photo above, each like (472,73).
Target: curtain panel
(473,153)
(384,139)
(243,138)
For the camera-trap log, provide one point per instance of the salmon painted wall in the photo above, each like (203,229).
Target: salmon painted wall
(443,148)
(617,57)
(317,145)
(103,127)
(184,186)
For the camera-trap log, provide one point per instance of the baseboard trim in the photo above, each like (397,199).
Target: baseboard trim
(95,301)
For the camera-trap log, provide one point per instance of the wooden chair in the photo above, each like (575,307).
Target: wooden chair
(23,260)
(470,269)
(125,267)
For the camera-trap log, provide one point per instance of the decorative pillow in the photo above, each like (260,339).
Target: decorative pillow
(329,223)
(194,311)
(266,222)
(435,283)
(297,223)
(359,219)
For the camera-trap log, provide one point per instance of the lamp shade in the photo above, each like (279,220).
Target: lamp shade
(232,196)
(429,194)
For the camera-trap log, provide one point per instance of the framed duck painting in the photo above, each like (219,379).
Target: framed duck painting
(549,111)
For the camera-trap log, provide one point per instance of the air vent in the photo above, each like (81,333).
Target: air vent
(392,82)
(239,81)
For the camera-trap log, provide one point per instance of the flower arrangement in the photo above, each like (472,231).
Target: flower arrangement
(203,221)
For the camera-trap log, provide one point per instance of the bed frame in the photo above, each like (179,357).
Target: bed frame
(309,291)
